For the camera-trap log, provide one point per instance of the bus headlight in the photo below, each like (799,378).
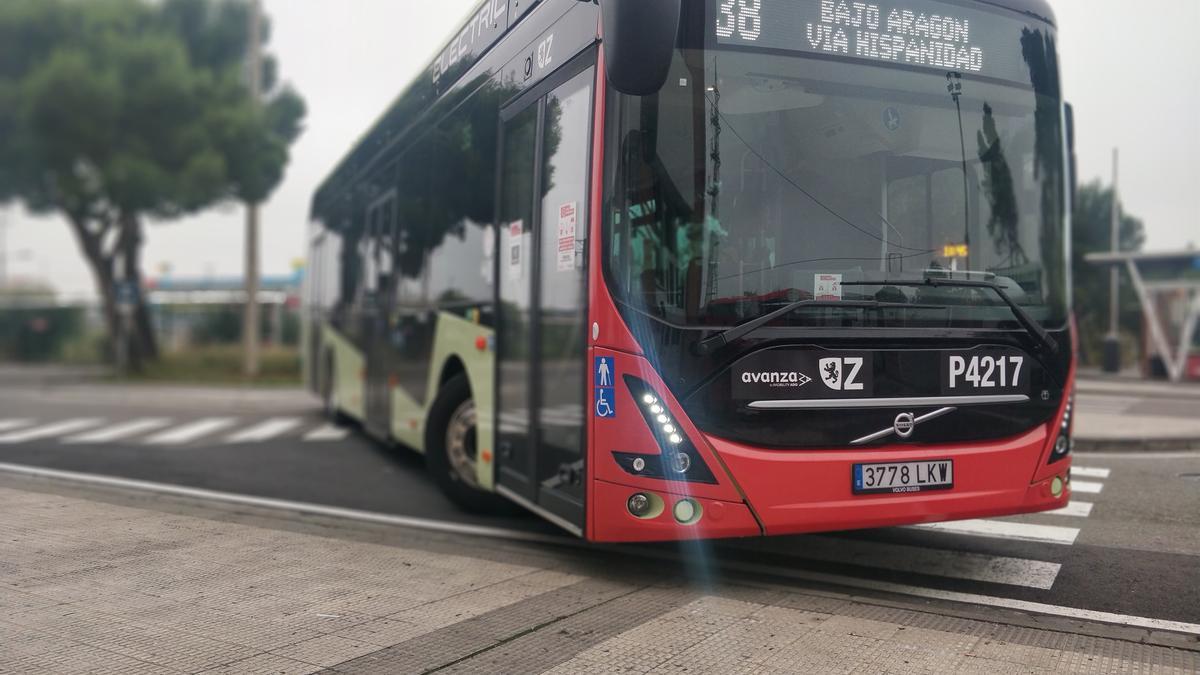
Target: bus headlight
(677,458)
(1062,443)
(681,462)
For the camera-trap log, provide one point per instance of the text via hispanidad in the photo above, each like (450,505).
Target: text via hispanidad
(869,30)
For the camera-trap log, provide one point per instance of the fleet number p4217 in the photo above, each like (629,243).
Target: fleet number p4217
(986,372)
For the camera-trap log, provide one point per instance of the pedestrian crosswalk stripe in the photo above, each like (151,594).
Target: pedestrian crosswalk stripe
(192,431)
(1089,472)
(1109,405)
(1007,530)
(264,430)
(117,432)
(49,431)
(921,560)
(1074,509)
(1086,487)
(6,425)
(327,432)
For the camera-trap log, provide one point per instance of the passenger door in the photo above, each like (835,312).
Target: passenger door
(377,311)
(542,318)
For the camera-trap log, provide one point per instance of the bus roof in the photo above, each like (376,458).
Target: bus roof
(1039,9)
(482,28)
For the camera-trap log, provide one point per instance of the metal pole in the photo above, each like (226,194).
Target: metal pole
(3,248)
(250,321)
(1112,341)
(1114,278)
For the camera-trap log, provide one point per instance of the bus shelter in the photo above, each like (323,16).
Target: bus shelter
(1168,290)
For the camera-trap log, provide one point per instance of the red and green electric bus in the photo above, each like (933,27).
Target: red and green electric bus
(663,269)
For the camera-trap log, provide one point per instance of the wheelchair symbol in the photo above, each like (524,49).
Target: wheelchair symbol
(604,409)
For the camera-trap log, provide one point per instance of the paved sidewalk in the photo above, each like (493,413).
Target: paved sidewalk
(105,581)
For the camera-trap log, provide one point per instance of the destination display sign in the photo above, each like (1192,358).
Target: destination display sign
(919,33)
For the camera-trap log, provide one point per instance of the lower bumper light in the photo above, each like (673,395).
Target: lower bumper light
(645,505)
(639,505)
(1056,487)
(686,511)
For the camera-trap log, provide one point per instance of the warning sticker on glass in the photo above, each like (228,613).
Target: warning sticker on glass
(568,219)
(827,287)
(516,236)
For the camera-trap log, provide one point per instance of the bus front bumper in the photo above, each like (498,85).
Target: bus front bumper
(811,491)
(797,492)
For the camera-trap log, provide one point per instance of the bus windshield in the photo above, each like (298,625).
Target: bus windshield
(758,179)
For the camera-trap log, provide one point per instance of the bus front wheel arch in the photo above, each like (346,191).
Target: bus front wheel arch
(451,448)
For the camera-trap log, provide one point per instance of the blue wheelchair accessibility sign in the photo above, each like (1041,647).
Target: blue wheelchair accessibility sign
(605,405)
(606,397)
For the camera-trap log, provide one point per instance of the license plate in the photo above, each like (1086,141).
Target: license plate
(903,477)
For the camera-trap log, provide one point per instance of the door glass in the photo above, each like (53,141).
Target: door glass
(513,333)
(562,300)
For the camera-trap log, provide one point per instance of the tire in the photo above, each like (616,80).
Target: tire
(450,449)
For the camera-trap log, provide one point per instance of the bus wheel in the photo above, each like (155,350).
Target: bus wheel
(452,450)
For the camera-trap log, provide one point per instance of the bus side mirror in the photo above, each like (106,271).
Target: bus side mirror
(639,40)
(1073,176)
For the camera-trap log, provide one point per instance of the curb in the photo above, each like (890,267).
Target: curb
(1102,445)
(1000,610)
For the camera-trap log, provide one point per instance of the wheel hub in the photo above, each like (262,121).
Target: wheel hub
(460,444)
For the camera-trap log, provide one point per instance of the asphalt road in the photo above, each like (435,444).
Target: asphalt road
(1129,545)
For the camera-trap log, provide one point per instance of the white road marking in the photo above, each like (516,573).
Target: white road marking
(1086,487)
(1107,405)
(265,430)
(327,432)
(49,431)
(561,540)
(1002,529)
(119,431)
(5,425)
(192,431)
(968,598)
(935,562)
(1089,472)
(1075,509)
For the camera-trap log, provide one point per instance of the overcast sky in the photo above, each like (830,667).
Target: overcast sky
(1129,68)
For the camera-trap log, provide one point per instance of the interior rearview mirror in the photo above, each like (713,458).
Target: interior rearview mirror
(639,39)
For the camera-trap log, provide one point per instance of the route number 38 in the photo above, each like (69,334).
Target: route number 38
(741,16)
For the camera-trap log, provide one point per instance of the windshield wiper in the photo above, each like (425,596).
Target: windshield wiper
(1027,322)
(714,342)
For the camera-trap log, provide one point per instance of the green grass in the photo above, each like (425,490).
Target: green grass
(280,367)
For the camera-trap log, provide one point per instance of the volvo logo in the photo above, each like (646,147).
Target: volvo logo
(904,425)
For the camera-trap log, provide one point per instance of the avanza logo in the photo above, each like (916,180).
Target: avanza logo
(780,378)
